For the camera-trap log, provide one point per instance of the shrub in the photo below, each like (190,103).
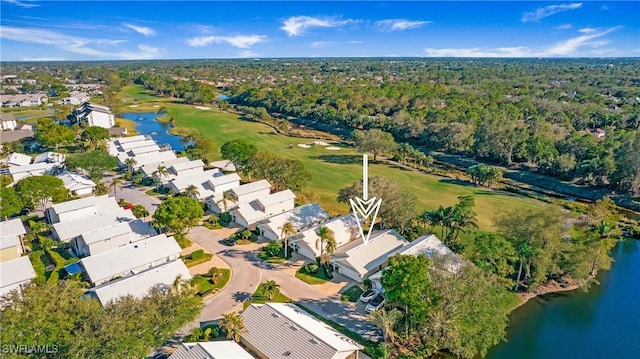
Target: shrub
(311,268)
(273,248)
(367,283)
(197,254)
(182,240)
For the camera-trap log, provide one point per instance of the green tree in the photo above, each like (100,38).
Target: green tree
(93,135)
(53,135)
(326,242)
(227,197)
(286,230)
(10,202)
(494,253)
(39,191)
(386,321)
(94,162)
(472,311)
(407,285)
(131,164)
(270,289)
(100,189)
(536,235)
(238,152)
(192,191)
(375,141)
(233,325)
(159,173)
(627,158)
(114,185)
(178,214)
(140,211)
(282,173)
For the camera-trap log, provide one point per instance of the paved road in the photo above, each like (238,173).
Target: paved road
(135,195)
(247,273)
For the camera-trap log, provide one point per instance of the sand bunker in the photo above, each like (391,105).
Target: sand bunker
(333,148)
(304,145)
(133,105)
(155,106)
(321,143)
(202,107)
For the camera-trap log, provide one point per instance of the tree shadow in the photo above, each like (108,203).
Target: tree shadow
(241,296)
(459,182)
(339,159)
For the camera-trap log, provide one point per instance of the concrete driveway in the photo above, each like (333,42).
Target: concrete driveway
(135,195)
(248,272)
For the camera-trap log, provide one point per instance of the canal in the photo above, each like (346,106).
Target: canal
(603,323)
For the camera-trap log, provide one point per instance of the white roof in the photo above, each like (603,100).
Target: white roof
(345,229)
(9,241)
(227,349)
(250,188)
(152,157)
(126,146)
(15,271)
(306,337)
(12,227)
(146,149)
(50,157)
(182,182)
(432,246)
(186,165)
(138,229)
(74,182)
(149,168)
(300,217)
(101,203)
(366,258)
(18,159)
(220,180)
(71,229)
(122,140)
(140,284)
(113,262)
(35,167)
(224,165)
(275,198)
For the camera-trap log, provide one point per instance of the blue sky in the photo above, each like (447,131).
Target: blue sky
(33,30)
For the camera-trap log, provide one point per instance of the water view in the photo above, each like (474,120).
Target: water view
(146,124)
(603,323)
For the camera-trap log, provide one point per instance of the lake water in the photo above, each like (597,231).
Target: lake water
(146,124)
(603,323)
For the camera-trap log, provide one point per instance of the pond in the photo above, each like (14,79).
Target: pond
(603,323)
(146,124)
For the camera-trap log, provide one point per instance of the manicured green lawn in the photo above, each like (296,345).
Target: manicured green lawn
(333,170)
(258,298)
(353,293)
(313,279)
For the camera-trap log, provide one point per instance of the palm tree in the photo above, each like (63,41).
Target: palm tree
(286,230)
(270,289)
(233,325)
(226,198)
(325,235)
(196,333)
(130,163)
(100,189)
(114,184)
(386,321)
(192,191)
(160,172)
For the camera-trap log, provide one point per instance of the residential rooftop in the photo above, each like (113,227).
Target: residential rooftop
(15,271)
(68,230)
(300,217)
(12,227)
(364,258)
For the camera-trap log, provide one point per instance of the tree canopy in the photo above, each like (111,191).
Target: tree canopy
(375,141)
(38,191)
(57,315)
(238,152)
(94,162)
(10,203)
(178,214)
(283,173)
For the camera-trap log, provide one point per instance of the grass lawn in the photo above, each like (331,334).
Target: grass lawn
(128,124)
(352,294)
(344,166)
(258,298)
(205,283)
(318,277)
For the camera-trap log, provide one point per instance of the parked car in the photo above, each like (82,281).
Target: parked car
(375,303)
(368,295)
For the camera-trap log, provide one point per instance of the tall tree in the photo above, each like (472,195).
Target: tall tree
(39,191)
(131,164)
(233,325)
(326,242)
(10,202)
(226,198)
(386,320)
(270,289)
(238,152)
(95,163)
(192,191)
(178,214)
(627,157)
(286,230)
(375,141)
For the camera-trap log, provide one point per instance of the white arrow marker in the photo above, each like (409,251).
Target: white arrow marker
(365,207)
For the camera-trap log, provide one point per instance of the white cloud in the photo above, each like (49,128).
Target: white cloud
(24,3)
(520,51)
(297,25)
(239,41)
(74,44)
(355,42)
(569,47)
(142,30)
(604,7)
(399,24)
(563,27)
(542,12)
(319,44)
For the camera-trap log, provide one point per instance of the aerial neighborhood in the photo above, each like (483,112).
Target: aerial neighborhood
(299,209)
